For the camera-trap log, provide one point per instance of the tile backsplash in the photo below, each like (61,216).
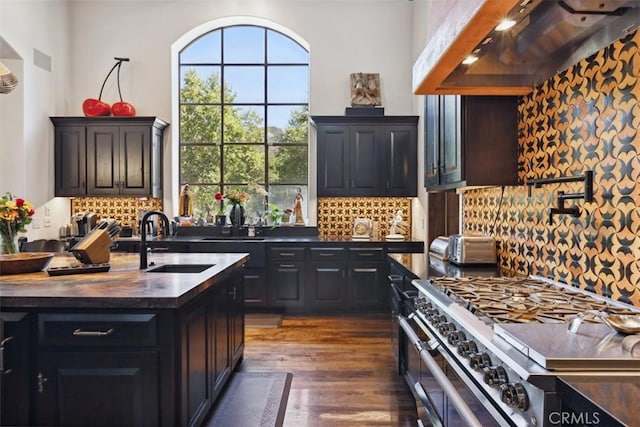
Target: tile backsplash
(122,209)
(336,214)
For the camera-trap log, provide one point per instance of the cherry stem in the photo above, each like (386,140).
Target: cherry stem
(117,64)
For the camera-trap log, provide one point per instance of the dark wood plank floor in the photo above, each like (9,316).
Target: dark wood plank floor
(343,371)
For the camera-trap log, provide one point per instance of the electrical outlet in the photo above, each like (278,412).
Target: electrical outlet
(47,221)
(35,223)
(47,212)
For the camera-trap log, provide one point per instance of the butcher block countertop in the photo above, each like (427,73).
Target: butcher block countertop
(123,286)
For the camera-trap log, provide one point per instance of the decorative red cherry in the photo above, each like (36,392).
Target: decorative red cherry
(92,107)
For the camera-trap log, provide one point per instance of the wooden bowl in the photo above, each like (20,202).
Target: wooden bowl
(25,262)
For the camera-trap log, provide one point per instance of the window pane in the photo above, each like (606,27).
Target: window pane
(244,124)
(200,123)
(204,201)
(199,164)
(244,45)
(203,50)
(253,207)
(243,164)
(284,196)
(288,84)
(200,84)
(288,124)
(244,84)
(281,49)
(288,165)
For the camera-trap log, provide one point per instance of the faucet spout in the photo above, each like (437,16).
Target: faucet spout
(143,237)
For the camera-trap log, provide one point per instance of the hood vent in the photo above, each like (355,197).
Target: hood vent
(548,37)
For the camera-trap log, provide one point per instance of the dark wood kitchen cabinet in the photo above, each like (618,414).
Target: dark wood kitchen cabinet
(286,277)
(108,156)
(327,279)
(470,141)
(15,332)
(367,287)
(137,367)
(367,156)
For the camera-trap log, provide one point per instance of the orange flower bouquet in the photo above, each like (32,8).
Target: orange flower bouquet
(15,213)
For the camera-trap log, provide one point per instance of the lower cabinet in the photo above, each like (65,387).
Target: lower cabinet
(286,277)
(134,367)
(255,287)
(365,290)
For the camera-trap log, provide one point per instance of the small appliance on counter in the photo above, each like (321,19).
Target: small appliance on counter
(439,248)
(464,250)
(83,223)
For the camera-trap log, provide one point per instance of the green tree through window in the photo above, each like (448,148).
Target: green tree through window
(244,121)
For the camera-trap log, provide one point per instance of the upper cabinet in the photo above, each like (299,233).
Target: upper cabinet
(470,141)
(367,156)
(108,156)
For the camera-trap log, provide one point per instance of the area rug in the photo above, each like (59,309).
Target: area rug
(262,320)
(252,399)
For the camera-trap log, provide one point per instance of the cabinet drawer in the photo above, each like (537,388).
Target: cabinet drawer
(286,254)
(97,329)
(366,254)
(328,254)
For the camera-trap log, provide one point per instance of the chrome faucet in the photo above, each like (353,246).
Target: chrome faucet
(143,236)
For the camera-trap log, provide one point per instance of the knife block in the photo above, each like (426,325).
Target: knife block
(94,248)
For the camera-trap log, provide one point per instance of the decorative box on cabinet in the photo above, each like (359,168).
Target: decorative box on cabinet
(367,156)
(470,141)
(108,156)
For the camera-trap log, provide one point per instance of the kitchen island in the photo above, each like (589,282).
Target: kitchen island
(123,347)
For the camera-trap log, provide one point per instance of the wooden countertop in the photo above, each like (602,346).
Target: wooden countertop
(123,286)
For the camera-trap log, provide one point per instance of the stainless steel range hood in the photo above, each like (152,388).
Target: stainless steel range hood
(548,37)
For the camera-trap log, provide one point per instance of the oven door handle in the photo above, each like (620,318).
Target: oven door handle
(431,410)
(458,402)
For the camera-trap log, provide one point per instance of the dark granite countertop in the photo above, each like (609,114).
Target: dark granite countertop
(268,239)
(124,285)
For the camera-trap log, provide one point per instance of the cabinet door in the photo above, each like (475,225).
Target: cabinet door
(399,159)
(431,141)
(135,160)
(103,160)
(364,172)
(97,388)
(255,287)
(219,316)
(451,151)
(366,286)
(333,161)
(70,161)
(14,369)
(286,285)
(327,286)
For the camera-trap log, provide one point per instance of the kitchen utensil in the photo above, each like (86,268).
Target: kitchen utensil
(627,324)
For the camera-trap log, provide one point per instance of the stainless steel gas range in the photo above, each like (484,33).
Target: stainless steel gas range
(490,350)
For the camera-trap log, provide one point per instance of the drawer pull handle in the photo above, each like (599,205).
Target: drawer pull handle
(287,265)
(366,254)
(81,333)
(4,342)
(326,254)
(287,254)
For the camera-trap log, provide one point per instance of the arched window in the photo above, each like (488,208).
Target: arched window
(243,118)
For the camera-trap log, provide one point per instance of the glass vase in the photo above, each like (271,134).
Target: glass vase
(8,244)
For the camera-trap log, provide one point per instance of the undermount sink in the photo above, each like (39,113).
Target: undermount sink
(179,268)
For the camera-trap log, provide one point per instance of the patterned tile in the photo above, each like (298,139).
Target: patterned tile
(122,209)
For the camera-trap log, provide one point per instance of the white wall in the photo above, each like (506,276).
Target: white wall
(26,134)
(83,37)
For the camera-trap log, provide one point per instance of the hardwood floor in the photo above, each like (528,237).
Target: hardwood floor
(343,371)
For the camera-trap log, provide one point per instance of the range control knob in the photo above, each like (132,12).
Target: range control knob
(466,348)
(430,312)
(515,396)
(495,375)
(480,360)
(454,337)
(436,320)
(446,327)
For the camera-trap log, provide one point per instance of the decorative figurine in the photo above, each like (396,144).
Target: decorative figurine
(397,226)
(297,208)
(186,202)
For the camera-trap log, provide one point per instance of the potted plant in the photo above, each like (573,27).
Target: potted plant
(286,216)
(221,218)
(274,214)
